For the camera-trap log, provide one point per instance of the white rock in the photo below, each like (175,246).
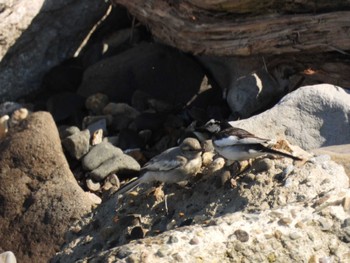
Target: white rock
(310,117)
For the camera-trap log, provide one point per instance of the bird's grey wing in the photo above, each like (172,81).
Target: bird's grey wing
(234,136)
(164,164)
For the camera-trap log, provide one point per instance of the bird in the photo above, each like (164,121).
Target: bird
(237,144)
(174,165)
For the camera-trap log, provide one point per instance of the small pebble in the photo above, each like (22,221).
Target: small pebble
(278,234)
(325,260)
(94,198)
(271,257)
(172,240)
(284,221)
(106,186)
(225,176)
(161,252)
(262,165)
(19,115)
(4,126)
(123,253)
(217,164)
(92,185)
(294,235)
(241,235)
(194,241)
(97,137)
(346,204)
(313,259)
(325,224)
(177,257)
(207,158)
(346,222)
(96,102)
(114,180)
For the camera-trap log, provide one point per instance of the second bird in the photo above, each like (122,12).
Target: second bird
(236,144)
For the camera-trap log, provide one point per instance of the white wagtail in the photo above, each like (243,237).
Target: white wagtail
(174,165)
(236,144)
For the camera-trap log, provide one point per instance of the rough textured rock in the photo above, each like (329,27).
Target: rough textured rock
(278,216)
(77,144)
(37,36)
(339,153)
(310,117)
(162,72)
(39,197)
(104,159)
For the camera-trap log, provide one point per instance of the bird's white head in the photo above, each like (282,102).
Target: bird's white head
(213,126)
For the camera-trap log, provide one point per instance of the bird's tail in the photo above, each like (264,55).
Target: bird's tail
(270,150)
(128,187)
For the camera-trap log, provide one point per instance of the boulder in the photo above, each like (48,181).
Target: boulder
(39,197)
(37,36)
(278,215)
(160,71)
(310,117)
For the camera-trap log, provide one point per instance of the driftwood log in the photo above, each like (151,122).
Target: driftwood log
(235,27)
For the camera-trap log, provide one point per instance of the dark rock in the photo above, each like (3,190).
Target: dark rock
(66,105)
(122,113)
(96,102)
(142,101)
(122,109)
(47,198)
(241,235)
(137,232)
(77,144)
(149,121)
(66,76)
(163,72)
(253,93)
(100,124)
(130,139)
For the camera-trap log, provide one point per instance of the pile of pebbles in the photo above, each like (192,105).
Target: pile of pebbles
(116,139)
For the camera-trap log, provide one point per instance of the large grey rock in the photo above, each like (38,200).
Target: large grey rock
(310,117)
(39,196)
(36,36)
(269,218)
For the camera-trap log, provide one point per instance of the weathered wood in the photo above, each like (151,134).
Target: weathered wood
(191,29)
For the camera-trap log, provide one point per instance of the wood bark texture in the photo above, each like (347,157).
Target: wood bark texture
(243,28)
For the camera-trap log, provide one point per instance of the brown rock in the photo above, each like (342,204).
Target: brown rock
(39,195)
